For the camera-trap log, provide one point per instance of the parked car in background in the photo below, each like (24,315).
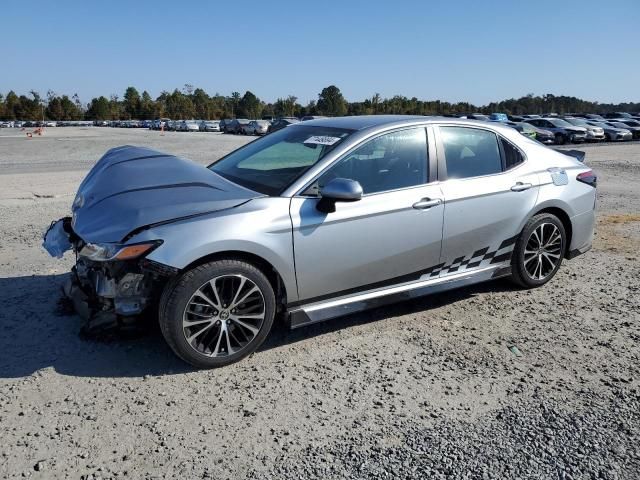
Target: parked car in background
(630,123)
(18,124)
(6,124)
(543,136)
(50,123)
(498,117)
(281,123)
(223,124)
(516,118)
(210,126)
(235,126)
(477,116)
(256,127)
(611,133)
(325,231)
(594,134)
(159,123)
(188,126)
(635,131)
(563,131)
(594,116)
(616,115)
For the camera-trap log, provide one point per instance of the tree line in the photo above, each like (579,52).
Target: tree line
(189,103)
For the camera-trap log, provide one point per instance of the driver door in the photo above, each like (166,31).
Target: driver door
(392,235)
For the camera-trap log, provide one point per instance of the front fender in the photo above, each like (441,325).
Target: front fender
(260,227)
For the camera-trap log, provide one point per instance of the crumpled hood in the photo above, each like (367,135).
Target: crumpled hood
(132,187)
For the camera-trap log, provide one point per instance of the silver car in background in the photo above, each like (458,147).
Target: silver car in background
(594,133)
(256,127)
(315,221)
(209,126)
(611,133)
(188,126)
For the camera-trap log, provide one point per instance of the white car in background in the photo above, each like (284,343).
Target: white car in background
(188,126)
(7,124)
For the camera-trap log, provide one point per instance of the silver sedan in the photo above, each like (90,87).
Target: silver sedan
(256,127)
(318,220)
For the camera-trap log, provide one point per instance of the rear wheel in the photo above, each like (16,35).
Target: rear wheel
(539,251)
(217,313)
(559,139)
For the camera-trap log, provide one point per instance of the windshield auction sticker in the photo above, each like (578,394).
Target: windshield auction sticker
(322,140)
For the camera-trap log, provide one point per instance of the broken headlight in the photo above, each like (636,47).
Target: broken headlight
(106,252)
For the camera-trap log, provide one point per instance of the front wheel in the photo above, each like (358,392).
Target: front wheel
(217,313)
(539,251)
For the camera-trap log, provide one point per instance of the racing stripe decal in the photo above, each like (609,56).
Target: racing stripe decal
(481,257)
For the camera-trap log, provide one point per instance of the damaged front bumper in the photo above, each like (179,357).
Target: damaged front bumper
(106,294)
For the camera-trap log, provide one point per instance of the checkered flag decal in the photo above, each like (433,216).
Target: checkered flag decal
(482,257)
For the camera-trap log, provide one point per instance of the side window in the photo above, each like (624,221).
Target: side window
(512,156)
(388,162)
(470,152)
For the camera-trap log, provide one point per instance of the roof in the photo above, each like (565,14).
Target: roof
(374,121)
(361,122)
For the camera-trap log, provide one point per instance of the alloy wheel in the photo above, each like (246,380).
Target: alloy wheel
(223,316)
(543,251)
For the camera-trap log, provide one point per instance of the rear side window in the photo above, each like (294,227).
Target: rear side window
(470,152)
(512,155)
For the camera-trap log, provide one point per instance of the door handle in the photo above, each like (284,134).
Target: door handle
(425,203)
(521,187)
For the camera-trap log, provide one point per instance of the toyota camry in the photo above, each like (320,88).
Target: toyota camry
(318,220)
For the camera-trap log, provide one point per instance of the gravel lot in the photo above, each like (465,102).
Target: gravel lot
(430,388)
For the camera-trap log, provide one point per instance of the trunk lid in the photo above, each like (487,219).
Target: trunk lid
(133,187)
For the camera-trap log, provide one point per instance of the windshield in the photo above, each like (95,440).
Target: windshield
(558,122)
(577,121)
(269,165)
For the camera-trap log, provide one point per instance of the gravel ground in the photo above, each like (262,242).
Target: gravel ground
(431,388)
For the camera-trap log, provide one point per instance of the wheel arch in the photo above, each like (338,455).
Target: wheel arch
(563,216)
(272,274)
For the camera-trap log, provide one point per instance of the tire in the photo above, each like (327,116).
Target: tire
(559,139)
(532,264)
(227,335)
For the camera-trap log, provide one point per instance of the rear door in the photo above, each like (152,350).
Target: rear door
(392,235)
(487,191)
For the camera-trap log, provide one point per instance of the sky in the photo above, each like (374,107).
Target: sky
(457,50)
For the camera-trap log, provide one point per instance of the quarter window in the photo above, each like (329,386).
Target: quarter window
(389,162)
(470,152)
(512,155)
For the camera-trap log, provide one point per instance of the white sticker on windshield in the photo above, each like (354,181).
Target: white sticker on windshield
(322,140)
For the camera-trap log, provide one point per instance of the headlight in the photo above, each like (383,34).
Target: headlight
(105,252)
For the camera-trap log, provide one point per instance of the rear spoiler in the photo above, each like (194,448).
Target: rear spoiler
(577,154)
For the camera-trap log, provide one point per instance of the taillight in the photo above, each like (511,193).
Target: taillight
(588,177)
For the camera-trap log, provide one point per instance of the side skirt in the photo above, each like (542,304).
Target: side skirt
(302,315)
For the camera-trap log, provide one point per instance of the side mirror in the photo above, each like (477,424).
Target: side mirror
(338,190)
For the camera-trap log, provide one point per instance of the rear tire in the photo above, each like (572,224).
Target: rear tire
(539,250)
(559,139)
(208,328)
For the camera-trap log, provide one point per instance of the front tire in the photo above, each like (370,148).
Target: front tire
(539,250)
(217,313)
